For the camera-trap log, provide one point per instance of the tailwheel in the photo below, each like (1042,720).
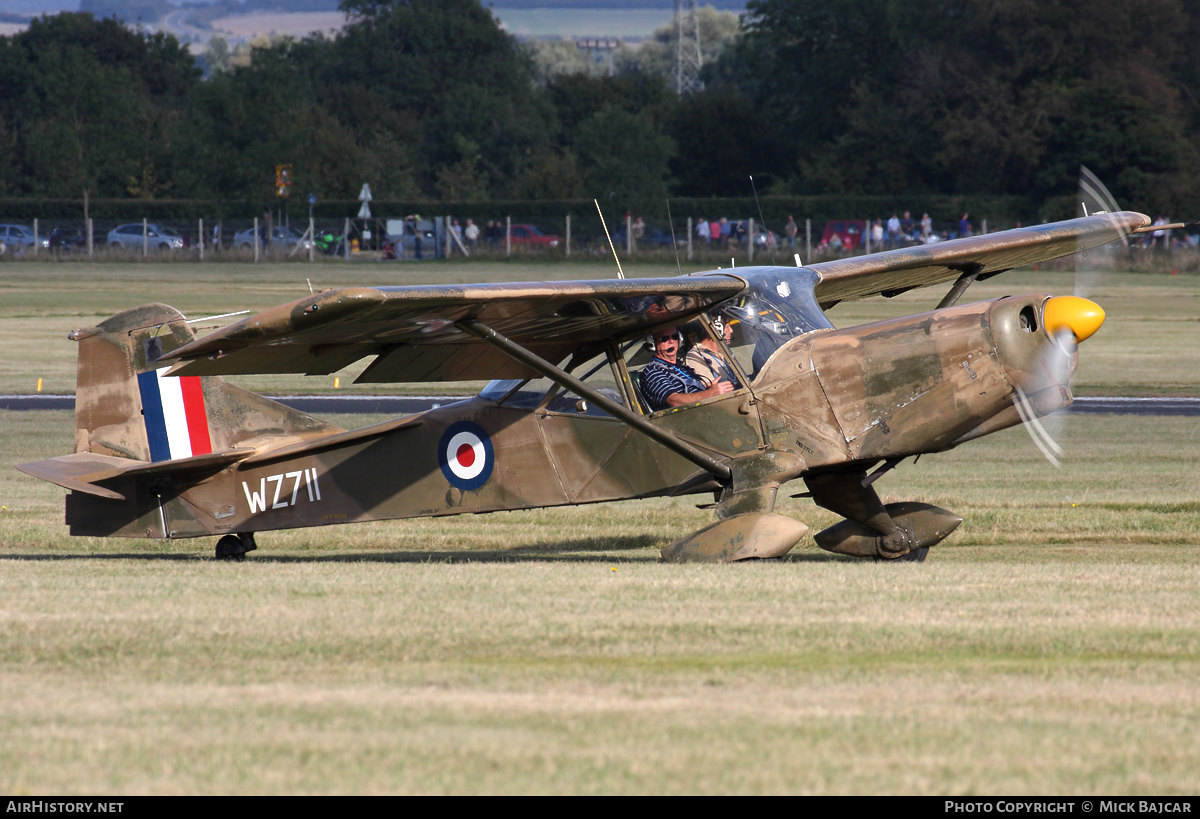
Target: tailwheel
(234,547)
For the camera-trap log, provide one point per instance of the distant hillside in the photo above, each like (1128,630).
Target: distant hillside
(131,10)
(720,5)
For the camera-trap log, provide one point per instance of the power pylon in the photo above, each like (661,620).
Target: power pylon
(687,50)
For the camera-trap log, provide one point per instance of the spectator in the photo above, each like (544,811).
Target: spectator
(790,230)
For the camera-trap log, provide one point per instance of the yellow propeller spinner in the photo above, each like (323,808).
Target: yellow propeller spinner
(1081,316)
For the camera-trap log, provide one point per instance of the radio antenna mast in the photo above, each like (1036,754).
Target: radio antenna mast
(620,272)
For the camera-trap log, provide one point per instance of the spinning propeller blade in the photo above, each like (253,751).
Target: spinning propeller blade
(1066,321)
(1094,198)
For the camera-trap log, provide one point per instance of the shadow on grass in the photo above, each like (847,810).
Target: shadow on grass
(572,551)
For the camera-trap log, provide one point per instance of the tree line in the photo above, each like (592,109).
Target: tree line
(429,100)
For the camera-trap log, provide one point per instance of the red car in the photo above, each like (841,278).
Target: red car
(532,235)
(850,231)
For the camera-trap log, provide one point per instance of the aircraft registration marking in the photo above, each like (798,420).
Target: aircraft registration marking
(280,498)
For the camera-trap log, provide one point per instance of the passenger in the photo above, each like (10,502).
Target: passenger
(706,358)
(666,382)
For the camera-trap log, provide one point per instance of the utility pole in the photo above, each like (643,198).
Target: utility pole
(688,60)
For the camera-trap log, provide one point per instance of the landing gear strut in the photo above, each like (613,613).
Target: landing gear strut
(234,547)
(895,532)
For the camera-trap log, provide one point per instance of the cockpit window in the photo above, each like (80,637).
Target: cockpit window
(778,306)
(532,393)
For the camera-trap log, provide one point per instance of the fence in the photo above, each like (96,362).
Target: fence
(742,240)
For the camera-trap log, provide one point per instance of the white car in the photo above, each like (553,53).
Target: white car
(16,238)
(157,237)
(285,237)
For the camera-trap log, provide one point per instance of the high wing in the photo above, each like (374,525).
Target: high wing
(416,333)
(896,271)
(422,333)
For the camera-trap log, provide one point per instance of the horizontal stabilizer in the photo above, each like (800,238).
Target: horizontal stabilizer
(83,471)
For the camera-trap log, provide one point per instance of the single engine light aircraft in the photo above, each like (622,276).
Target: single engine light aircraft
(165,447)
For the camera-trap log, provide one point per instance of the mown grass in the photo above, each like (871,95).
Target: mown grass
(1050,646)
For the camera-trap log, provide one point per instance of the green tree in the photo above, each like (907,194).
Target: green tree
(978,95)
(92,108)
(623,155)
(444,66)
(724,139)
(217,55)
(552,58)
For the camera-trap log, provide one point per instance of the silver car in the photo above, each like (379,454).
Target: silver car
(157,237)
(281,236)
(17,238)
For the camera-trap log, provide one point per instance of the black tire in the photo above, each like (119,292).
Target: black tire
(230,547)
(915,556)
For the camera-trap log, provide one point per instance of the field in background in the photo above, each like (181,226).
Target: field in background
(290,24)
(1150,344)
(1051,645)
(533,22)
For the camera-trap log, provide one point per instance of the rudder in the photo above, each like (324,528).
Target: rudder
(126,406)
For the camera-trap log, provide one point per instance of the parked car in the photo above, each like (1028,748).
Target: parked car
(406,243)
(68,240)
(157,237)
(281,236)
(18,238)
(651,237)
(532,235)
(848,231)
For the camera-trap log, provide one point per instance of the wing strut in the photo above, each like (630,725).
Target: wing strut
(570,382)
(970,272)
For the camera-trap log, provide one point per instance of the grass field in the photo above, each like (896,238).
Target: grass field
(1050,646)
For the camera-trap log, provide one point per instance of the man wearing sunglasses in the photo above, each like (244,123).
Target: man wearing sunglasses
(667,382)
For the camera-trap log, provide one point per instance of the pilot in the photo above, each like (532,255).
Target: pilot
(706,358)
(667,382)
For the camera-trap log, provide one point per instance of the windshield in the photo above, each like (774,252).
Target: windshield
(778,306)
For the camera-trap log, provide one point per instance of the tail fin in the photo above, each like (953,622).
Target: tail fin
(125,407)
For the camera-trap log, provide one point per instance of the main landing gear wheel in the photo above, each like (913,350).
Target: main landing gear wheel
(234,547)
(915,556)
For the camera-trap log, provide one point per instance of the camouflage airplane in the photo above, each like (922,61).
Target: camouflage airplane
(166,448)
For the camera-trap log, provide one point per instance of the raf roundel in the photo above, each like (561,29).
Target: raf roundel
(465,455)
